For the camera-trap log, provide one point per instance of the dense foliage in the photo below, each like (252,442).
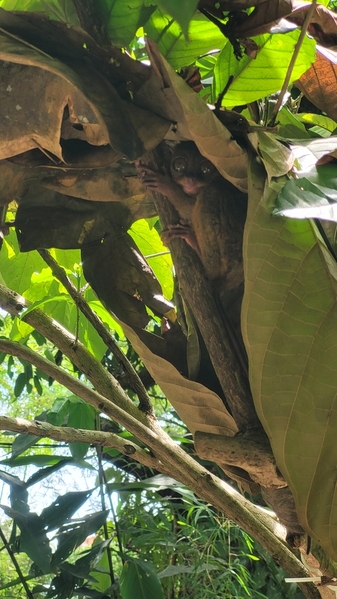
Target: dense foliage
(77,112)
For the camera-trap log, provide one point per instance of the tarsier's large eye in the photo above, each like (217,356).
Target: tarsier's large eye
(179,164)
(206,168)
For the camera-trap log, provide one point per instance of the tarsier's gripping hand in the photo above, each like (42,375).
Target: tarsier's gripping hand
(182,230)
(156,181)
(164,184)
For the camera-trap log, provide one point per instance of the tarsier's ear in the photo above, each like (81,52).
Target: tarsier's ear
(170,145)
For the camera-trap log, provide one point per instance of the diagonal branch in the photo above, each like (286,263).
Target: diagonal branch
(100,378)
(137,385)
(103,404)
(70,435)
(172,459)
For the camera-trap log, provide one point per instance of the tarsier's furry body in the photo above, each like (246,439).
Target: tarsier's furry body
(213,214)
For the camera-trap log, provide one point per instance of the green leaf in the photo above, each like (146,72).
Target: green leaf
(92,558)
(20,384)
(289,324)
(73,534)
(139,579)
(58,413)
(33,539)
(81,415)
(154,483)
(38,385)
(45,472)
(203,37)
(122,19)
(43,302)
(37,460)
(18,492)
(290,125)
(56,514)
(60,10)
(260,76)
(156,254)
(181,10)
(317,119)
(99,566)
(312,196)
(17,268)
(176,570)
(301,199)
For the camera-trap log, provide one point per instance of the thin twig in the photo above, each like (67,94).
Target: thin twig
(102,483)
(136,383)
(292,62)
(16,566)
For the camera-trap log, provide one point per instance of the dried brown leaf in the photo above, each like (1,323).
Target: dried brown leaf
(197,122)
(198,407)
(265,15)
(33,102)
(122,279)
(323,23)
(319,83)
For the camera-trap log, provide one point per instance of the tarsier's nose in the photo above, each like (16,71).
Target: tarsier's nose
(191,185)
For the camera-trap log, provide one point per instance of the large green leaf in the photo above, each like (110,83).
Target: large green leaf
(122,19)
(312,196)
(139,579)
(61,10)
(258,76)
(71,535)
(63,508)
(290,328)
(33,539)
(203,37)
(180,11)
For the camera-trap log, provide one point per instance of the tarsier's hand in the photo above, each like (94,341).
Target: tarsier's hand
(182,230)
(154,180)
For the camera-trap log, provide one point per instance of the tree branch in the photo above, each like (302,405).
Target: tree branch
(172,459)
(197,292)
(103,404)
(137,385)
(100,378)
(70,435)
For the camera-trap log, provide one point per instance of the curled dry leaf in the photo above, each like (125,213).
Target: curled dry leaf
(319,85)
(323,23)
(76,86)
(198,407)
(265,15)
(197,122)
(123,280)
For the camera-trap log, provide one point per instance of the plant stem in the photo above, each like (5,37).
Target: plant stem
(292,62)
(16,565)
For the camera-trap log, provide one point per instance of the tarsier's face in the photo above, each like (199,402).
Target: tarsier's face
(190,169)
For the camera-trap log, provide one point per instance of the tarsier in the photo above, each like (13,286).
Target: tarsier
(212,213)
